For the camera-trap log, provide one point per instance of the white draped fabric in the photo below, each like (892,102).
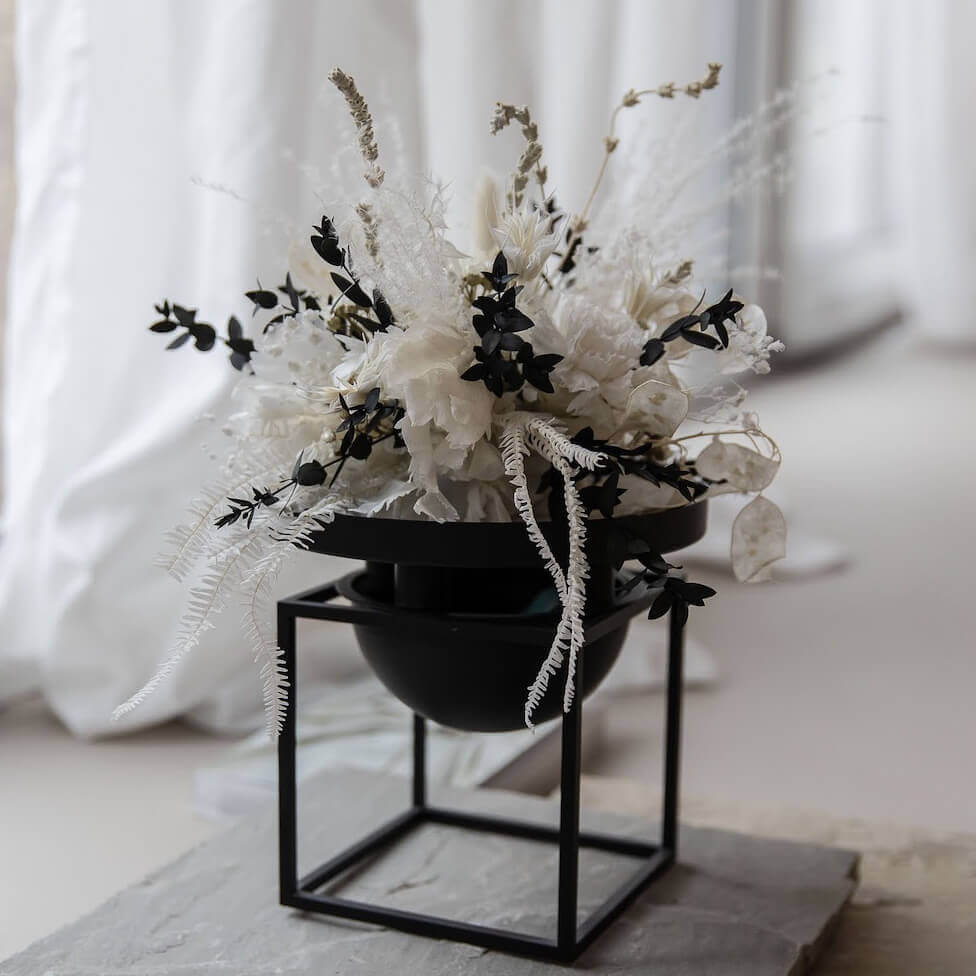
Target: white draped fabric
(122,108)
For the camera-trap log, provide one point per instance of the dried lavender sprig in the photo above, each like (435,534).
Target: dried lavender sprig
(370,223)
(361,116)
(504,115)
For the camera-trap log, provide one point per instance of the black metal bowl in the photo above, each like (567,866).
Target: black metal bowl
(473,676)
(486,583)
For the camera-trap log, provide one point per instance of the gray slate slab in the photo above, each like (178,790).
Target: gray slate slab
(734,905)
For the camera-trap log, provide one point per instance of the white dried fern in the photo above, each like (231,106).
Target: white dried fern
(258,608)
(248,562)
(207,599)
(521,432)
(513,450)
(192,540)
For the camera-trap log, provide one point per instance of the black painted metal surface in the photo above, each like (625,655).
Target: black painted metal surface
(494,544)
(571,937)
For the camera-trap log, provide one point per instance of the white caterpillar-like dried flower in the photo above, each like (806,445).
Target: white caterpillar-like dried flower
(370,224)
(360,113)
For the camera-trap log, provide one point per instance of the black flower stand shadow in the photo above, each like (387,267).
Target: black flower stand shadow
(428,640)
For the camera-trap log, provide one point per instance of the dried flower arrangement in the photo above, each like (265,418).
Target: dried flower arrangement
(544,376)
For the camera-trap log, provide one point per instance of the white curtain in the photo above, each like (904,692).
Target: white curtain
(121,106)
(933,150)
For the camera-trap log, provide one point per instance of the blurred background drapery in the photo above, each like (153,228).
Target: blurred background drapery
(123,109)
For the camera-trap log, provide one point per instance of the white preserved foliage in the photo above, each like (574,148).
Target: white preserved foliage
(758,540)
(461,447)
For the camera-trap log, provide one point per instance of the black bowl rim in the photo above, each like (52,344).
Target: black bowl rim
(422,542)
(545,621)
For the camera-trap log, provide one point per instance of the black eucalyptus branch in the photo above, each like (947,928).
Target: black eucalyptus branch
(267,300)
(365,425)
(600,490)
(692,328)
(673,591)
(504,361)
(326,243)
(203,334)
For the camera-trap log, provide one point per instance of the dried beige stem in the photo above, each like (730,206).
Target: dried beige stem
(692,89)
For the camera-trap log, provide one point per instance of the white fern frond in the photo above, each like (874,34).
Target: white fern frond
(207,599)
(551,442)
(513,449)
(577,573)
(189,541)
(569,633)
(258,607)
(521,433)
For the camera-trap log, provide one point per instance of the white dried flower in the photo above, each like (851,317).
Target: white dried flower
(749,345)
(526,240)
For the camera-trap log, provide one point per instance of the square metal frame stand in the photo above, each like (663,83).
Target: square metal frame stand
(572,938)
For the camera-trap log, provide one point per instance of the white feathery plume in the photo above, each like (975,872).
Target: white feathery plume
(520,432)
(207,599)
(188,541)
(258,607)
(513,449)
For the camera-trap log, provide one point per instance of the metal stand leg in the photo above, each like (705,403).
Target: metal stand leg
(419,761)
(569,807)
(572,938)
(287,826)
(672,736)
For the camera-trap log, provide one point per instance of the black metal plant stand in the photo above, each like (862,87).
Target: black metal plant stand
(571,937)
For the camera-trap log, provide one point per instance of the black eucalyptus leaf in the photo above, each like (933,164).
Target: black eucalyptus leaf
(653,351)
(499,277)
(661,605)
(491,341)
(678,326)
(700,339)
(326,243)
(654,561)
(361,447)
(475,372)
(548,361)
(695,593)
(204,337)
(179,340)
(365,322)
(185,316)
(383,311)
(512,320)
(262,298)
(539,379)
(351,290)
(481,324)
(310,473)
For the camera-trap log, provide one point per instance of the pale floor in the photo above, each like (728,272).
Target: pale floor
(850,694)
